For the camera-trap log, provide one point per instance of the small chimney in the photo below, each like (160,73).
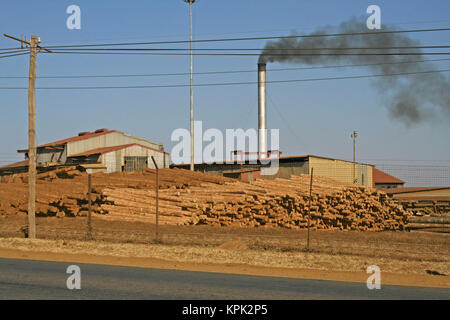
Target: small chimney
(262,128)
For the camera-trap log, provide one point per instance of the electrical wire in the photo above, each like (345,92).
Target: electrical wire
(227,83)
(13,55)
(257,54)
(252,38)
(243,38)
(295,29)
(14,51)
(7,49)
(258,49)
(286,122)
(223,72)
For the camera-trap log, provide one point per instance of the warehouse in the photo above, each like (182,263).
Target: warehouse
(246,170)
(382,180)
(420,193)
(129,157)
(339,170)
(422,200)
(111,149)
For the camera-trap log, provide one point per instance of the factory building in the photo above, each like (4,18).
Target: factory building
(382,180)
(339,170)
(103,150)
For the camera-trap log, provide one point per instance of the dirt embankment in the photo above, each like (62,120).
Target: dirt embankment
(232,257)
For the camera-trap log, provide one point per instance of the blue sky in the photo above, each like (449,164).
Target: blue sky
(317,117)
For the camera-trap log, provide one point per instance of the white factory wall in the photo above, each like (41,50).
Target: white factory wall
(109,160)
(111,139)
(115,160)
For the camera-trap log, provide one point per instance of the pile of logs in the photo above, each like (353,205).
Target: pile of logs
(435,222)
(264,203)
(187,197)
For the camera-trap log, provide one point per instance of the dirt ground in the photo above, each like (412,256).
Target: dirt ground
(405,258)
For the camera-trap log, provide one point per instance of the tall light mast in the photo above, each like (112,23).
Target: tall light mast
(191,82)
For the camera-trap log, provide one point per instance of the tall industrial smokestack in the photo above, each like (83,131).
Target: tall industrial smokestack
(262,129)
(410,99)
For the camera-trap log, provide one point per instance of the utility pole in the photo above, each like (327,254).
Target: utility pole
(354,135)
(191,82)
(34,47)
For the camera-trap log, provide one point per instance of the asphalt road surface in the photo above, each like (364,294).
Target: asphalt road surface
(27,279)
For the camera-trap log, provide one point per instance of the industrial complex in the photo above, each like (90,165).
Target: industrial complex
(105,150)
(102,150)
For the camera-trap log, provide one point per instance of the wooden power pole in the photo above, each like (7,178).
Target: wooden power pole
(32,139)
(34,47)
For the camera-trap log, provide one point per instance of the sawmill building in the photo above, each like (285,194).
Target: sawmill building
(102,150)
(339,170)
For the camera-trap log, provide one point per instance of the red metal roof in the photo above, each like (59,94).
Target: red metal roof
(23,163)
(413,189)
(76,138)
(111,149)
(379,176)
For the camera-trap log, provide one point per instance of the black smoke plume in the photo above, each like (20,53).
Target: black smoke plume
(410,98)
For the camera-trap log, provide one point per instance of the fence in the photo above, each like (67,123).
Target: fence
(14,190)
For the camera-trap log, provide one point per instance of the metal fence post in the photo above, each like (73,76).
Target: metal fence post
(157,195)
(309,208)
(89,225)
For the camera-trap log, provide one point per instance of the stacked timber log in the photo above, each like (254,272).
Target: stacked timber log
(63,192)
(425,206)
(265,203)
(187,197)
(436,222)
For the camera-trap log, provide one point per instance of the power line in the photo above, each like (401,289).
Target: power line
(241,39)
(7,49)
(258,54)
(295,28)
(223,72)
(407,160)
(260,49)
(294,133)
(229,83)
(253,38)
(13,55)
(14,51)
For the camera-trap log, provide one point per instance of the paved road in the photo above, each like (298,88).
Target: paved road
(26,279)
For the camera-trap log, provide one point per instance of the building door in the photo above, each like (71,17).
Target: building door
(135,163)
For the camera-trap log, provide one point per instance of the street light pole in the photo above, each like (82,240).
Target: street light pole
(191,83)
(354,135)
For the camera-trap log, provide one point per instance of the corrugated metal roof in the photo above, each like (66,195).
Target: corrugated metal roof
(281,159)
(412,189)
(23,163)
(76,138)
(379,176)
(111,149)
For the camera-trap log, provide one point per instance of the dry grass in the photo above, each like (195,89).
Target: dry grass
(396,252)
